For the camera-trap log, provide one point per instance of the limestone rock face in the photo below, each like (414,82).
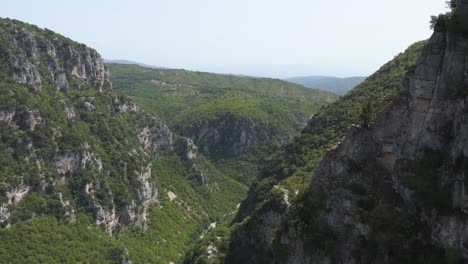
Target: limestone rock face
(6,116)
(65,61)
(389,194)
(120,105)
(157,139)
(229,136)
(69,139)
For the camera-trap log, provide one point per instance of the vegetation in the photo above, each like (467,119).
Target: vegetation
(55,221)
(192,102)
(336,85)
(176,225)
(292,167)
(169,93)
(46,240)
(367,114)
(454,20)
(296,161)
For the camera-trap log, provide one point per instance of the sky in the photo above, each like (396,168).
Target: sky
(270,38)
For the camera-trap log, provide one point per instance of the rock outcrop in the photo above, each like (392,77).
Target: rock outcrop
(231,136)
(65,60)
(392,193)
(93,145)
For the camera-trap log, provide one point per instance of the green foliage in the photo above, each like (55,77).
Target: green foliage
(190,101)
(169,93)
(439,22)
(336,85)
(176,225)
(97,134)
(293,166)
(46,240)
(367,114)
(217,238)
(454,21)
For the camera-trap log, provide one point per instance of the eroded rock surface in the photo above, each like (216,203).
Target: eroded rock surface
(392,193)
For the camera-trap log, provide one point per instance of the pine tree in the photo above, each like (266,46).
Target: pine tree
(367,114)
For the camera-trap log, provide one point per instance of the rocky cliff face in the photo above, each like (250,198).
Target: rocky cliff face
(392,193)
(231,137)
(68,142)
(31,55)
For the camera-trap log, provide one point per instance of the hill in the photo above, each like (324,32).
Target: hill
(106,61)
(336,85)
(285,177)
(235,121)
(85,175)
(386,192)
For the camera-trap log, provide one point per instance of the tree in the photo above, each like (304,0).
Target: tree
(451,4)
(367,114)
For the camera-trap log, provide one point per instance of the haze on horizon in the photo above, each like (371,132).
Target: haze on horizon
(269,38)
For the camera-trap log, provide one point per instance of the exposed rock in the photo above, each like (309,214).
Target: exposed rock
(17,194)
(89,106)
(121,105)
(191,150)
(25,72)
(229,136)
(70,162)
(65,61)
(171,196)
(14,196)
(67,162)
(157,139)
(106,218)
(33,119)
(148,194)
(212,251)
(388,194)
(69,110)
(91,161)
(6,116)
(69,215)
(4,214)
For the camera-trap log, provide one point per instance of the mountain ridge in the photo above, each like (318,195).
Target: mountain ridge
(336,85)
(389,191)
(83,165)
(288,172)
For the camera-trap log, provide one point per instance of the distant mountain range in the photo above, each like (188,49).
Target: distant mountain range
(332,84)
(133,62)
(335,85)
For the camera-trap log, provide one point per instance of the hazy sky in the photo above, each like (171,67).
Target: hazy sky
(255,37)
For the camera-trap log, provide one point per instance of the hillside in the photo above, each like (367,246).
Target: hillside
(235,121)
(288,172)
(85,175)
(336,85)
(389,191)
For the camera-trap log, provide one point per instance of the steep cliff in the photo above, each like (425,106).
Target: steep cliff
(78,160)
(61,125)
(286,175)
(393,192)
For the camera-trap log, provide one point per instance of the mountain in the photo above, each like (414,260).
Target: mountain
(332,84)
(85,175)
(235,121)
(106,61)
(391,190)
(89,175)
(279,190)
